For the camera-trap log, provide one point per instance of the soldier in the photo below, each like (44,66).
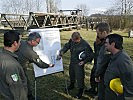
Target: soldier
(120,66)
(103,58)
(92,25)
(26,54)
(13,82)
(77,46)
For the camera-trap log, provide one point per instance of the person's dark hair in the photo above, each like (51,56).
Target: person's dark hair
(76,35)
(117,39)
(33,36)
(10,37)
(103,27)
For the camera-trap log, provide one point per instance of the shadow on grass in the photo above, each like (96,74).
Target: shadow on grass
(125,36)
(52,87)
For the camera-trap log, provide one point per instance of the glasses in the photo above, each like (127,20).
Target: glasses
(37,42)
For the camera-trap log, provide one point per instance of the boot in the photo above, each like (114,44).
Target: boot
(31,97)
(79,94)
(91,91)
(70,87)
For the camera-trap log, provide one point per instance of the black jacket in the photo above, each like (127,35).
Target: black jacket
(76,48)
(102,62)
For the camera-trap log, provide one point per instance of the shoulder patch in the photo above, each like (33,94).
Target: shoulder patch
(14,77)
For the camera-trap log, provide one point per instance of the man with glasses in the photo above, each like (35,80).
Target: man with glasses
(26,55)
(77,46)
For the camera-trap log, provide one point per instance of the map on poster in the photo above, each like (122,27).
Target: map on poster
(48,49)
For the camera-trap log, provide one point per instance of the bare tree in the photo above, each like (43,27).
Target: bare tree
(121,13)
(11,6)
(123,7)
(84,9)
(129,6)
(52,6)
(22,6)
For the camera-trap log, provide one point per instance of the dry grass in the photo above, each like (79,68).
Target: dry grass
(51,87)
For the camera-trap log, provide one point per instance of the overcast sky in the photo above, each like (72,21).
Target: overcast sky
(0,6)
(93,5)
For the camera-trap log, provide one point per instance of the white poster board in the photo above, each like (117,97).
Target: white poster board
(47,49)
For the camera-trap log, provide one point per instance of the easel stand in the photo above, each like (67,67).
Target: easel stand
(65,84)
(35,90)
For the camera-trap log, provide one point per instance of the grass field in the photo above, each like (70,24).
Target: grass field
(51,87)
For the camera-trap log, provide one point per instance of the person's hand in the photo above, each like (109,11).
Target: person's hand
(81,63)
(51,65)
(97,79)
(58,57)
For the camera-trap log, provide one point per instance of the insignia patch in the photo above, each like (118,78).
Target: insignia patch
(38,60)
(14,77)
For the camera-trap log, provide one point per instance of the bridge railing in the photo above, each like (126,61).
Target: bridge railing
(14,20)
(41,20)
